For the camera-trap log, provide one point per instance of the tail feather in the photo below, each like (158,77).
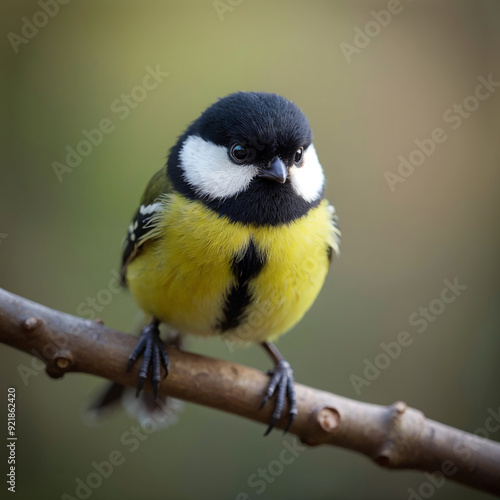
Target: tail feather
(106,400)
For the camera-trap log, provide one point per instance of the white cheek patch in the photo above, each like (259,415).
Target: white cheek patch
(209,170)
(308,180)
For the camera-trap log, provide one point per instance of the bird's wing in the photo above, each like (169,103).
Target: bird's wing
(143,225)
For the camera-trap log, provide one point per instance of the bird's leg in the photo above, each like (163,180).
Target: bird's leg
(155,355)
(282,384)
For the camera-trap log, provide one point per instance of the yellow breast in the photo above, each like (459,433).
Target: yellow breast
(185,276)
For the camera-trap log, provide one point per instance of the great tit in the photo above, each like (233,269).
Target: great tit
(233,237)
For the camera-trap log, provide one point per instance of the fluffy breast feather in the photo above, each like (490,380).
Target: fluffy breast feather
(186,274)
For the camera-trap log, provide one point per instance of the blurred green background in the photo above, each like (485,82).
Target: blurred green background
(60,241)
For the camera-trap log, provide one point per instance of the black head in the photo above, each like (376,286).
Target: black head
(249,156)
(265,125)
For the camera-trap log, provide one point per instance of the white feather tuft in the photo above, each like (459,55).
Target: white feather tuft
(308,180)
(209,170)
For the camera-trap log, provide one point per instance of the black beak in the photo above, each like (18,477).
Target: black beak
(276,171)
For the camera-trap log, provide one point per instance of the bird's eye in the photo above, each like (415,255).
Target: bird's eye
(297,159)
(239,153)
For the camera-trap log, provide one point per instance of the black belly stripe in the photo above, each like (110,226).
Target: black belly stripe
(238,299)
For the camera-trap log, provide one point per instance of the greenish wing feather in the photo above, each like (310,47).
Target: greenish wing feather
(142,227)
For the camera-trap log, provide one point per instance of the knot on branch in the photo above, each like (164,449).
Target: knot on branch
(403,426)
(52,353)
(61,364)
(323,422)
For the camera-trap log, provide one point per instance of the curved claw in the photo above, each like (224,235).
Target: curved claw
(271,426)
(140,385)
(155,370)
(291,418)
(264,401)
(282,384)
(292,413)
(164,358)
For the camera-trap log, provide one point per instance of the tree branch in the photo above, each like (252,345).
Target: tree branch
(395,436)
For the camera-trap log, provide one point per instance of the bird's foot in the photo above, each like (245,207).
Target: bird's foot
(155,356)
(281,383)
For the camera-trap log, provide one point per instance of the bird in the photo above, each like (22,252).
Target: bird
(233,237)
